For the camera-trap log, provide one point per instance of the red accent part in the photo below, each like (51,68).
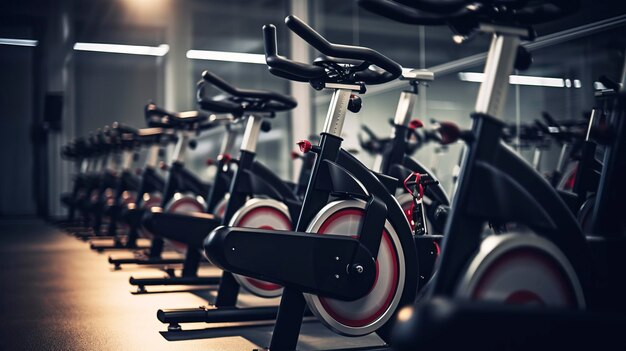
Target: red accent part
(437,248)
(305,146)
(449,132)
(387,240)
(569,184)
(224,157)
(138,171)
(409,212)
(210,162)
(295,155)
(415,123)
(163,166)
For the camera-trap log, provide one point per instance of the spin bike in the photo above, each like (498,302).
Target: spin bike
(126,184)
(183,193)
(257,198)
(546,261)
(352,257)
(135,192)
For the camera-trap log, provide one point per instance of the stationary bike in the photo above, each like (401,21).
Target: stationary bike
(546,261)
(352,257)
(136,191)
(257,198)
(183,193)
(124,189)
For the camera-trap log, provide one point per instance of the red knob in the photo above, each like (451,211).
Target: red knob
(163,165)
(415,123)
(449,132)
(305,146)
(210,162)
(224,157)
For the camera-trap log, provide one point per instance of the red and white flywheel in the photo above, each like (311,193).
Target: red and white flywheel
(263,214)
(369,313)
(184,204)
(220,208)
(521,269)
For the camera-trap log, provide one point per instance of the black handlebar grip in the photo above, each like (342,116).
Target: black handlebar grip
(312,37)
(401,13)
(219,82)
(270,40)
(303,71)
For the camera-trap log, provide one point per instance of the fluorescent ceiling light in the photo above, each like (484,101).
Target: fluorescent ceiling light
(123,49)
(226,56)
(524,80)
(18,42)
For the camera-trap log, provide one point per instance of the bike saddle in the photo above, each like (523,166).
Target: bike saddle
(159,117)
(464,16)
(239,101)
(343,64)
(154,135)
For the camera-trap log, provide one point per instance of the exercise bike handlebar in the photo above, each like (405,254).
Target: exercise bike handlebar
(436,12)
(312,37)
(299,71)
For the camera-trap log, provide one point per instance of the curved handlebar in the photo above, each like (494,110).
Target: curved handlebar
(303,72)
(433,12)
(312,37)
(293,70)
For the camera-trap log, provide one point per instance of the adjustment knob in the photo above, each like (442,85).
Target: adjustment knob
(355,103)
(305,146)
(415,124)
(266,126)
(193,144)
(225,158)
(523,60)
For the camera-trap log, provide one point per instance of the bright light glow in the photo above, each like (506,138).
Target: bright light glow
(160,50)
(226,56)
(524,80)
(599,86)
(18,42)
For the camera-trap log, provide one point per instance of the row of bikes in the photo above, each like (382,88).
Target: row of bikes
(511,258)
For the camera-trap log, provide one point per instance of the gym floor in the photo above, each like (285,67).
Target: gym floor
(57,294)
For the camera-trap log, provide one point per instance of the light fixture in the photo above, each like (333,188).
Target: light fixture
(226,56)
(525,80)
(160,50)
(18,42)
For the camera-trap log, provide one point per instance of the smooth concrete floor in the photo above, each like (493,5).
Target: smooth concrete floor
(57,294)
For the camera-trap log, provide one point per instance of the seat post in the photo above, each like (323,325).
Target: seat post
(499,65)
(181,146)
(336,115)
(251,134)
